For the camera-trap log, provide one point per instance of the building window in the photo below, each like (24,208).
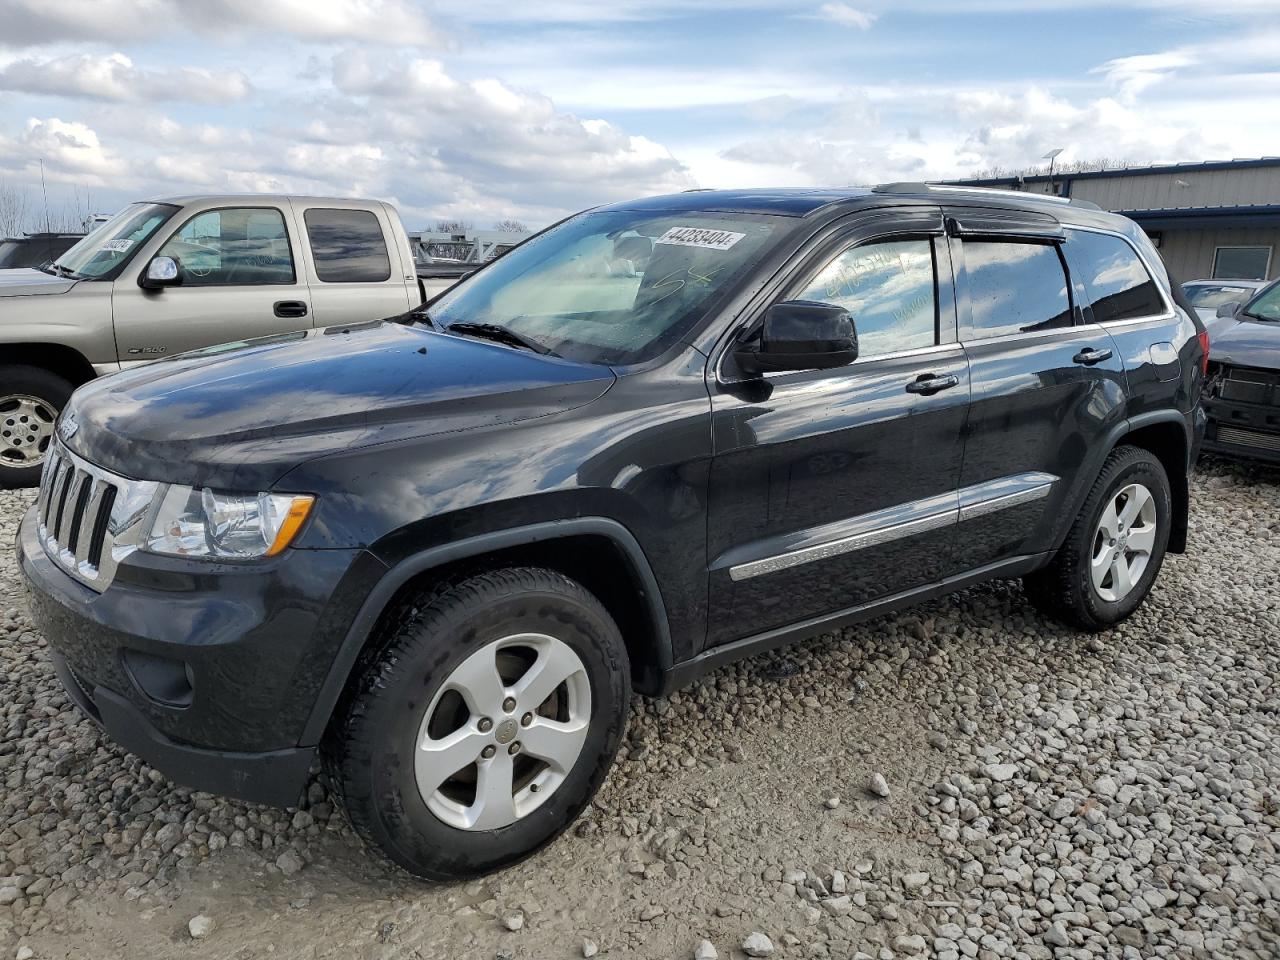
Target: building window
(1241,263)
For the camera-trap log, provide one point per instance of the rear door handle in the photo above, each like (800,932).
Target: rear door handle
(930,383)
(1090,356)
(291,308)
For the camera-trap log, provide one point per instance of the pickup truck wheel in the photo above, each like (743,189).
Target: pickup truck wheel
(481,722)
(30,401)
(1114,549)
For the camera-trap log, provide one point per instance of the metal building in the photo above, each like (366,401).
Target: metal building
(1214,219)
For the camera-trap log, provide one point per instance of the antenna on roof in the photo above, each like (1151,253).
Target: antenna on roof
(45,191)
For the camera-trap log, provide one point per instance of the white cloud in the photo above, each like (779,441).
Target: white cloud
(71,151)
(846,15)
(391,22)
(1134,75)
(115,77)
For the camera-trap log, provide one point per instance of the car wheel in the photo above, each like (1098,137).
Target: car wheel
(481,722)
(30,401)
(1114,549)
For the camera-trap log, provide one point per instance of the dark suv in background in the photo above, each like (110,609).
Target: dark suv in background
(35,249)
(661,435)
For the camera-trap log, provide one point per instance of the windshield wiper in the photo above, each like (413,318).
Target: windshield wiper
(500,334)
(417,315)
(58,270)
(1254,316)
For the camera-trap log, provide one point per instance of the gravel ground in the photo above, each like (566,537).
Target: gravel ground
(965,779)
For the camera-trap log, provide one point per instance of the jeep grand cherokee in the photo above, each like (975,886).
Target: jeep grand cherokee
(441,550)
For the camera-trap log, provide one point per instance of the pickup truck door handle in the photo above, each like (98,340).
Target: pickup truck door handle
(1090,356)
(930,383)
(291,308)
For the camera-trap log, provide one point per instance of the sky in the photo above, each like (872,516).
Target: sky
(533,109)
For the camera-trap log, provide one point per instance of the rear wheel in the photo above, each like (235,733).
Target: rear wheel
(481,722)
(30,401)
(1114,549)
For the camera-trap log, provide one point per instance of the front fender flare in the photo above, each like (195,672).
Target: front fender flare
(433,557)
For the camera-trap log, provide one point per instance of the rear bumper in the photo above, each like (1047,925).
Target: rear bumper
(209,672)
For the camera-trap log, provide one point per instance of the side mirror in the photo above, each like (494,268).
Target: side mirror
(800,335)
(161,272)
(1228,309)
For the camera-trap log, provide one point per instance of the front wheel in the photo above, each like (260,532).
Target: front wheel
(481,722)
(1114,549)
(30,401)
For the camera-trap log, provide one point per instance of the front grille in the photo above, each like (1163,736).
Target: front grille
(1250,438)
(87,516)
(1249,385)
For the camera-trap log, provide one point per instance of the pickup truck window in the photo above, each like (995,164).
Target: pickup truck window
(103,254)
(239,246)
(614,286)
(889,290)
(347,246)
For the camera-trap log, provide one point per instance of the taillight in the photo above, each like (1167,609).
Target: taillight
(1204,347)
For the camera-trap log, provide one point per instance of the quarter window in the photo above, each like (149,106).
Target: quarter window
(347,246)
(242,246)
(1241,263)
(1119,285)
(889,289)
(1015,288)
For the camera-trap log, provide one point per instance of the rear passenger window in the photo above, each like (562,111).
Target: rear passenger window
(1118,283)
(347,246)
(888,289)
(1015,288)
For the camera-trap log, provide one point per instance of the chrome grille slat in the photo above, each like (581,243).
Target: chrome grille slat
(79,524)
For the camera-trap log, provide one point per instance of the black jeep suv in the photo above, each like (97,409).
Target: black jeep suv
(442,549)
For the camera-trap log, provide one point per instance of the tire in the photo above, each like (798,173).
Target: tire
(1067,589)
(38,396)
(411,680)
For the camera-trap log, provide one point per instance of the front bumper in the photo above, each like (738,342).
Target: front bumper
(208,671)
(1242,430)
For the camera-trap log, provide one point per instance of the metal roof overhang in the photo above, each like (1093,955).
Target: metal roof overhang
(1205,218)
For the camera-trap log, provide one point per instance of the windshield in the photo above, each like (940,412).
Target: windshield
(1266,305)
(617,286)
(1212,296)
(103,253)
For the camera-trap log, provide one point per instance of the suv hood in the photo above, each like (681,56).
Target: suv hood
(26,282)
(1245,343)
(240,415)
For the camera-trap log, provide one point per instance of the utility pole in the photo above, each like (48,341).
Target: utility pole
(45,192)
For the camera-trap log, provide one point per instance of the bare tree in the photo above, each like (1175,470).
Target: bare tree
(1071,166)
(511,226)
(454,226)
(14,210)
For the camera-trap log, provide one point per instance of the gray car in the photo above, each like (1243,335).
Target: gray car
(1208,295)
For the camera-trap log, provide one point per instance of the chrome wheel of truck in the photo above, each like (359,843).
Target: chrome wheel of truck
(30,401)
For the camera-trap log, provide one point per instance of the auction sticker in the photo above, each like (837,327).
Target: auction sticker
(118,246)
(700,237)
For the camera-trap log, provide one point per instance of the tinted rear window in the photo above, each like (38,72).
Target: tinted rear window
(347,246)
(1015,288)
(1118,283)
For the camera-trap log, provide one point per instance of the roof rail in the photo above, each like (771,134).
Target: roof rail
(911,187)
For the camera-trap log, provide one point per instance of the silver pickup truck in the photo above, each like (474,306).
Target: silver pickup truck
(170,275)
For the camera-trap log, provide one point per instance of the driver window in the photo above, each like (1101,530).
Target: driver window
(243,246)
(889,289)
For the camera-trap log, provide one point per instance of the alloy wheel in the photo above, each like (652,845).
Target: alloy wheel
(503,732)
(26,430)
(1123,542)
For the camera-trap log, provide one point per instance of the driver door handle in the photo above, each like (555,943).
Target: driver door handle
(291,308)
(931,383)
(1090,356)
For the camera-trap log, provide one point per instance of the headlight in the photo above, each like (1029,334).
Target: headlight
(203,523)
